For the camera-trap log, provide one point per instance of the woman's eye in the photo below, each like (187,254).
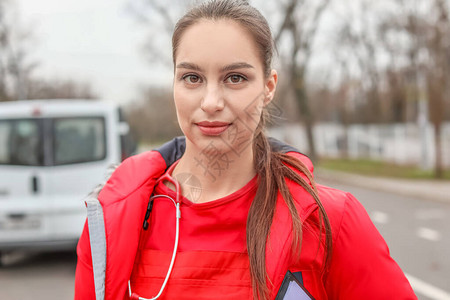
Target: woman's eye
(192,79)
(235,78)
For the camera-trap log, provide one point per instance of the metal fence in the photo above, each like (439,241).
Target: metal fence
(404,144)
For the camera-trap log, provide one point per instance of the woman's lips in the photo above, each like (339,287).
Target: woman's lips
(213,128)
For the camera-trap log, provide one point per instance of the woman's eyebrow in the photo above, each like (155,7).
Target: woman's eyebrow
(235,66)
(230,67)
(190,66)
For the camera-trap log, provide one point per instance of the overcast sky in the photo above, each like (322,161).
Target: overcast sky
(93,41)
(99,42)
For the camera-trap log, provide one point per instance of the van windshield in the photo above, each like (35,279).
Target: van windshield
(78,140)
(20,142)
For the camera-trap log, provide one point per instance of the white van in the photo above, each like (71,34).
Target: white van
(52,154)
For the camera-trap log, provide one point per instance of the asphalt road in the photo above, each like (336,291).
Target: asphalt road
(417,232)
(38,276)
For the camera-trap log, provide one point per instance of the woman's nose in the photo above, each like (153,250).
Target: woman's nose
(213,100)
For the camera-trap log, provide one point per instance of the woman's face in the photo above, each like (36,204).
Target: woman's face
(220,87)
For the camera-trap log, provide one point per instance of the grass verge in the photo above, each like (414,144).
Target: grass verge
(378,168)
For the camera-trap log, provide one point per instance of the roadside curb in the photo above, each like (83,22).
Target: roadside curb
(424,189)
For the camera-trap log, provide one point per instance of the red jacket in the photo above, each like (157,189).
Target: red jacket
(361,267)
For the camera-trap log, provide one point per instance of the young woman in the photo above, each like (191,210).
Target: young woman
(226,213)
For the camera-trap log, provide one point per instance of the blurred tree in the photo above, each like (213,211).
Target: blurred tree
(16,79)
(401,31)
(15,45)
(365,58)
(300,23)
(439,74)
(399,56)
(152,118)
(424,28)
(159,18)
(59,89)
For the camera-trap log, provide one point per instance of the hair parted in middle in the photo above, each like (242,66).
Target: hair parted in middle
(272,168)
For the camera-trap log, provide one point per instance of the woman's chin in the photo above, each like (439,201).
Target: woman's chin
(206,143)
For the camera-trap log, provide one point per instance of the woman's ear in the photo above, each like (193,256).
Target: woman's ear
(271,87)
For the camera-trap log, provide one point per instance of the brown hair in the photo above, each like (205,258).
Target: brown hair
(272,167)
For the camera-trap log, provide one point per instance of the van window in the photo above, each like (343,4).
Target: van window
(78,140)
(20,142)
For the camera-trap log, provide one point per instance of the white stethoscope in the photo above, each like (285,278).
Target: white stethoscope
(177,203)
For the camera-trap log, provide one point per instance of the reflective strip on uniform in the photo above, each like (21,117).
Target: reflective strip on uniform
(98,245)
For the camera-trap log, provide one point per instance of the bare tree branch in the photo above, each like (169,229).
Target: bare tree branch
(15,66)
(159,18)
(169,23)
(286,24)
(302,32)
(310,35)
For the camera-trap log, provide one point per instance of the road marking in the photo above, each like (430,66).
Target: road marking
(427,289)
(429,234)
(380,217)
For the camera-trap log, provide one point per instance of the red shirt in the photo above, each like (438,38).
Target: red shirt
(211,259)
